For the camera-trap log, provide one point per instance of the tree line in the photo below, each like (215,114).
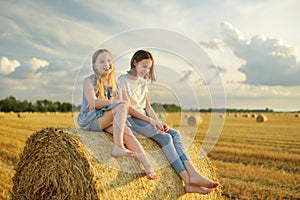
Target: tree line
(12,104)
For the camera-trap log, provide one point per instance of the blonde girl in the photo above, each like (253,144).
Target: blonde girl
(102,110)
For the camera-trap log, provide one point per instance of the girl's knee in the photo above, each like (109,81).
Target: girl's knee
(121,107)
(164,139)
(128,132)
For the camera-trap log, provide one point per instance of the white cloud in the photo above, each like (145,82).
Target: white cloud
(49,32)
(231,36)
(41,79)
(266,60)
(36,64)
(29,69)
(214,44)
(7,66)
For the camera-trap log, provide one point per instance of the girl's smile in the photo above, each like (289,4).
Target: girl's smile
(143,67)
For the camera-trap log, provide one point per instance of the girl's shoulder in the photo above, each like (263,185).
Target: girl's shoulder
(122,77)
(90,79)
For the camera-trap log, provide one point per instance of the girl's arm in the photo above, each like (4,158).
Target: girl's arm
(149,110)
(91,98)
(123,97)
(137,114)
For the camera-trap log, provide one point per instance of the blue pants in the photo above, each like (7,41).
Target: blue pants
(170,142)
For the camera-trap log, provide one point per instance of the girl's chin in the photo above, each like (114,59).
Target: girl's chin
(106,72)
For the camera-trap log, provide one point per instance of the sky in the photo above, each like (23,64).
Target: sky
(252,47)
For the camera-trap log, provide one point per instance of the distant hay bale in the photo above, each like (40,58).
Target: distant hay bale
(261,118)
(191,121)
(21,115)
(297,115)
(253,115)
(236,115)
(194,120)
(59,163)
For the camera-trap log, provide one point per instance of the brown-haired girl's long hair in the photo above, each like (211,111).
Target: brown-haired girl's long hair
(137,57)
(111,77)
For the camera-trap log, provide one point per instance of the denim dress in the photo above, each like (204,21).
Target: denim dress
(88,119)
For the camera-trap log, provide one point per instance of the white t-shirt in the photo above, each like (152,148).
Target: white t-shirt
(136,91)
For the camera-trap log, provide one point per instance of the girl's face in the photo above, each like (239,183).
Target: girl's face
(103,64)
(143,67)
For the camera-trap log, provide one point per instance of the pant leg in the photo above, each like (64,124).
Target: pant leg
(179,144)
(164,140)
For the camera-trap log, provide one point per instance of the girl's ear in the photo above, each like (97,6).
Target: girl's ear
(134,63)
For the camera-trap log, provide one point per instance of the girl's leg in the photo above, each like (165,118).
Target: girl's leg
(138,152)
(196,178)
(175,153)
(134,145)
(192,188)
(109,123)
(164,140)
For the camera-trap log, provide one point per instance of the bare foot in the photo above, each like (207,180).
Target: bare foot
(199,180)
(120,152)
(197,189)
(151,175)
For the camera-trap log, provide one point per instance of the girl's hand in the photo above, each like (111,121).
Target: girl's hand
(156,124)
(165,128)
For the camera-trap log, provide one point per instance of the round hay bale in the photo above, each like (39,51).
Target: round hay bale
(297,115)
(74,164)
(53,165)
(261,118)
(245,115)
(21,115)
(236,115)
(253,115)
(191,121)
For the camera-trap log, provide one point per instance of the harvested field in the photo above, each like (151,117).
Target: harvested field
(252,160)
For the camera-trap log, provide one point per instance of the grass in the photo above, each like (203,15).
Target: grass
(253,160)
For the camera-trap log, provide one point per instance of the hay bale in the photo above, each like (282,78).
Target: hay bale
(73,164)
(297,115)
(191,121)
(261,118)
(21,115)
(194,120)
(53,165)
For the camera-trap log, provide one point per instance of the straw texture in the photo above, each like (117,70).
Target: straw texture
(60,163)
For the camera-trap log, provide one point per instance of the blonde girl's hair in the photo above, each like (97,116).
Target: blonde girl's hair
(111,77)
(137,57)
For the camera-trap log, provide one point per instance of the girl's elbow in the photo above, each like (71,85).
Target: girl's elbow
(91,107)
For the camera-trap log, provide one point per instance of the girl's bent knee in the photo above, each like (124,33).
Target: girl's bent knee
(128,132)
(122,107)
(163,139)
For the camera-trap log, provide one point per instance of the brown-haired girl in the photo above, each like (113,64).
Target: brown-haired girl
(134,90)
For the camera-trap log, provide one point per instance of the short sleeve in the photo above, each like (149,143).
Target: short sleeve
(121,83)
(146,88)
